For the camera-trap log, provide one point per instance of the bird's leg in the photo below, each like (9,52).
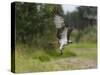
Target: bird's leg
(61,48)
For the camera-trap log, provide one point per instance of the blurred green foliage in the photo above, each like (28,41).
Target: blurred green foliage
(34,23)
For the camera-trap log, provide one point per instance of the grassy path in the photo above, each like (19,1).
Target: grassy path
(58,65)
(75,57)
(72,63)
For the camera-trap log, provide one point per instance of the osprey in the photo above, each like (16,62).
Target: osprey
(63,32)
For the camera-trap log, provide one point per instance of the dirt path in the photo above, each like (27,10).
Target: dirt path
(72,64)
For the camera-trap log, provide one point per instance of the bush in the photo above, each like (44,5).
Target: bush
(89,35)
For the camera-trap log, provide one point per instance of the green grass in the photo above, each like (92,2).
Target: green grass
(32,59)
(82,45)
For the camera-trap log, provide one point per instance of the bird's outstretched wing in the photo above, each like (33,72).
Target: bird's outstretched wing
(63,32)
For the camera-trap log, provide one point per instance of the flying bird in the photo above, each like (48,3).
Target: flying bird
(63,32)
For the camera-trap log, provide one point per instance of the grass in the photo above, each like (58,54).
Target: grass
(76,56)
